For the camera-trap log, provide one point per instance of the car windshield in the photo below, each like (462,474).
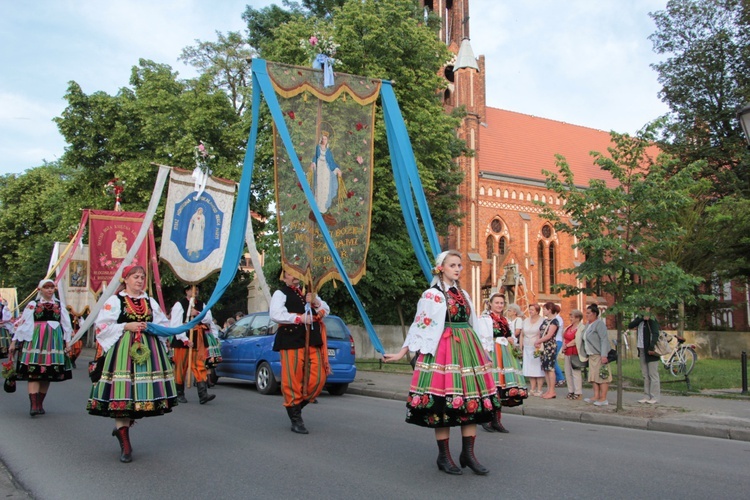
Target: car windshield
(336,329)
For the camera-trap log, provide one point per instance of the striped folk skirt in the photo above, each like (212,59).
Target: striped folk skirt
(134,390)
(214,351)
(455,386)
(43,358)
(5,338)
(511,384)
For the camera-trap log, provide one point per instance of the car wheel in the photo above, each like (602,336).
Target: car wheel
(265,382)
(337,389)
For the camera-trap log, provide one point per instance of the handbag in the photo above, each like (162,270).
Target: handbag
(576,362)
(612,356)
(95,369)
(9,385)
(662,347)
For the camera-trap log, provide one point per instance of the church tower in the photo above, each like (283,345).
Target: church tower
(466,89)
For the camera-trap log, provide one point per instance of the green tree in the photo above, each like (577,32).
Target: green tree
(225,64)
(625,228)
(705,79)
(36,213)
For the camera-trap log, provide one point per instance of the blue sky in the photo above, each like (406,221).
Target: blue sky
(584,62)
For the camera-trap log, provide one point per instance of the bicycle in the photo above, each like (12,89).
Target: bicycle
(682,360)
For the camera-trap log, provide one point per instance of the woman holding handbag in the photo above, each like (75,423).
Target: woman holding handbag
(43,332)
(596,345)
(573,362)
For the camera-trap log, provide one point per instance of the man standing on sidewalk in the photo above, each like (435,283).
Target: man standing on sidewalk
(648,335)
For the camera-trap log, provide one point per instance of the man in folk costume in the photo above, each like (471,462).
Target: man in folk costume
(190,352)
(301,341)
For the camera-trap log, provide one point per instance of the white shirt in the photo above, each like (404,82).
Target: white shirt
(177,318)
(560,329)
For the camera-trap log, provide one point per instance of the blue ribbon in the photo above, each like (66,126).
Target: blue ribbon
(325,63)
(408,184)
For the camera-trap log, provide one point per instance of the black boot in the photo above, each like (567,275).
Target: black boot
(295,415)
(33,405)
(181,393)
(488,427)
(444,460)
(497,425)
(40,402)
(203,394)
(123,436)
(467,458)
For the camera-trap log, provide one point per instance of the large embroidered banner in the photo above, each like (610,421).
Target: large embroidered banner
(332,132)
(196,225)
(111,234)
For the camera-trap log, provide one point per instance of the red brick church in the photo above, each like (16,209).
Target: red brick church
(504,240)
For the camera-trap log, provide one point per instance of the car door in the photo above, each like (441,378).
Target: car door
(231,345)
(253,345)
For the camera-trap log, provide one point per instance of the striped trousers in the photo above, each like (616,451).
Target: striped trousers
(293,374)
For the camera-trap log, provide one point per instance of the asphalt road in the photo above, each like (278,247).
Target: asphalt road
(240,446)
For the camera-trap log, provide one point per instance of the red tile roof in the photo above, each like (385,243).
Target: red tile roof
(521,145)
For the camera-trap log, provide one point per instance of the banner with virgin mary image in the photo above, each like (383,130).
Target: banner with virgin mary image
(332,131)
(196,225)
(111,234)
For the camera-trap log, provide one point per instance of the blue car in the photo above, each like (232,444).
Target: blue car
(247,353)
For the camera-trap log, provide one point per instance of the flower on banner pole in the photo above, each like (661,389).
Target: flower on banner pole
(115,187)
(202,154)
(321,49)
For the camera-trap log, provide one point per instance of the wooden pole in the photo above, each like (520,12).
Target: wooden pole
(189,316)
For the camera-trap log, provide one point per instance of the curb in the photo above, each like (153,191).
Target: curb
(664,424)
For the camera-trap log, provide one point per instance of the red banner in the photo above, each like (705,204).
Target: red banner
(111,234)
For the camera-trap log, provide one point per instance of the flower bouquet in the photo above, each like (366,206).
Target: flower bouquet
(604,371)
(538,352)
(517,352)
(9,374)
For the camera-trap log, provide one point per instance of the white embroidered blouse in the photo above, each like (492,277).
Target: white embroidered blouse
(429,323)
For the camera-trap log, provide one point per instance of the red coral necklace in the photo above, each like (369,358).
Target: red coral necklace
(458,297)
(136,308)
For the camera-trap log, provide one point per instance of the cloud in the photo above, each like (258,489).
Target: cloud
(581,62)
(28,136)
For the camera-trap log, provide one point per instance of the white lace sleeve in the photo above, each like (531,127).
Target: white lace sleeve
(429,323)
(483,327)
(25,325)
(108,330)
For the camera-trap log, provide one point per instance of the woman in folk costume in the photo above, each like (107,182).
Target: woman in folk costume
(511,385)
(44,331)
(452,385)
(136,379)
(6,328)
(213,355)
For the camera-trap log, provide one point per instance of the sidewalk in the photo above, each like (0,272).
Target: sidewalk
(710,416)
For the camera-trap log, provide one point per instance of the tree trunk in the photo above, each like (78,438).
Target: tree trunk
(618,321)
